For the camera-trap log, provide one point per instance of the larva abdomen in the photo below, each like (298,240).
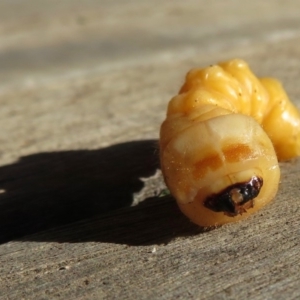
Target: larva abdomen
(217,160)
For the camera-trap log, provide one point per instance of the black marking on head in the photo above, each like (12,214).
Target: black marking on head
(235,199)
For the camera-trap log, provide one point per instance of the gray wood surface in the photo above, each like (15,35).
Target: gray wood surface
(83,90)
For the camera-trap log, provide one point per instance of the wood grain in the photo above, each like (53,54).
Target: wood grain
(83,90)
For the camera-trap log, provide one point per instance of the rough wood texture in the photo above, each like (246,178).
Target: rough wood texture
(83,90)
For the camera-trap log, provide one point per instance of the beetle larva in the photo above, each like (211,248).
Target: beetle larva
(220,142)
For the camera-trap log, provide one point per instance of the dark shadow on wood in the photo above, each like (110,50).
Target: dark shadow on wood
(154,221)
(47,190)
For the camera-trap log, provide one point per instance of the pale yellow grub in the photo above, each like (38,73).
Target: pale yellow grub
(223,128)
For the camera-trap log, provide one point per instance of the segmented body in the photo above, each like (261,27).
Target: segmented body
(220,142)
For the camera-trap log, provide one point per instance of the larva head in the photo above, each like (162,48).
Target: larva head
(236,198)
(221,170)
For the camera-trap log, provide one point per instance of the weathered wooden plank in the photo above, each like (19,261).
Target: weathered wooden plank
(83,92)
(152,251)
